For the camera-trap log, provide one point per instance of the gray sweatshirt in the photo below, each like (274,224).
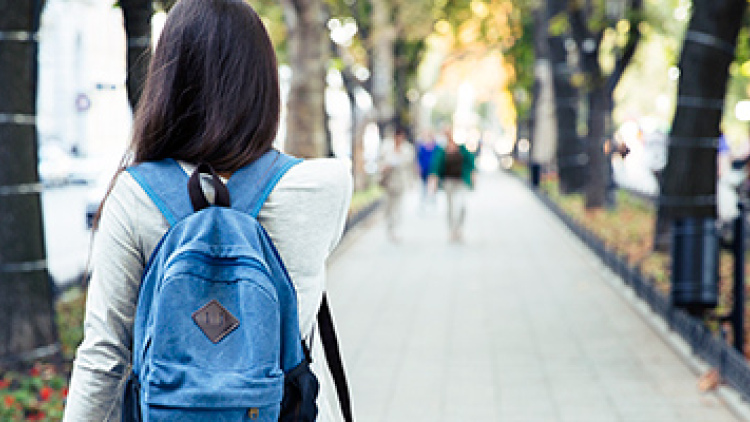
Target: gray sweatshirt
(304,216)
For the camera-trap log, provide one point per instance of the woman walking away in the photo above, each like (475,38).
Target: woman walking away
(453,168)
(211,101)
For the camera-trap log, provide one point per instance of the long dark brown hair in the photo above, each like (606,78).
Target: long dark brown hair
(212,91)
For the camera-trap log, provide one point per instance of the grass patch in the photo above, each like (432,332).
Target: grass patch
(362,198)
(628,229)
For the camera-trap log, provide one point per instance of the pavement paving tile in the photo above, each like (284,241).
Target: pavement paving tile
(519,323)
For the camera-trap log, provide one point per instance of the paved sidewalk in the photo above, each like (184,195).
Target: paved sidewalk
(518,323)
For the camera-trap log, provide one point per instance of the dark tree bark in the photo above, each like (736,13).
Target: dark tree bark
(634,39)
(402,58)
(689,183)
(408,55)
(571,156)
(598,171)
(308,56)
(599,91)
(688,194)
(137,19)
(597,102)
(27,327)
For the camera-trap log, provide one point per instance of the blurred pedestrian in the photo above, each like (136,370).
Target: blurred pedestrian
(731,171)
(397,168)
(723,155)
(453,169)
(425,148)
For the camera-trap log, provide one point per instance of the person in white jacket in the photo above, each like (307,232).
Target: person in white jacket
(212,95)
(397,170)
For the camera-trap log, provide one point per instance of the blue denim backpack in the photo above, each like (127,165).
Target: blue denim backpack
(216,334)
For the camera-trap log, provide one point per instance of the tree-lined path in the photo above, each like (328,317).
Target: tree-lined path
(518,323)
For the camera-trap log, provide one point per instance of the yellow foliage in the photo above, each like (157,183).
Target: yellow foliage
(442,27)
(480,9)
(745,68)
(469,32)
(475,54)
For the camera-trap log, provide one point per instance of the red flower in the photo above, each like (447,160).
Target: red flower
(64,392)
(35,371)
(45,393)
(9,400)
(4,384)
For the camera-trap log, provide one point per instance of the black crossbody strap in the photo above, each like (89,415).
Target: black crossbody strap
(333,357)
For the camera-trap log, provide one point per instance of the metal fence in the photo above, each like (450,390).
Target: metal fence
(731,365)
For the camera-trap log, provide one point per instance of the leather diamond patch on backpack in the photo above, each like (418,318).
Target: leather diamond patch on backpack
(215,321)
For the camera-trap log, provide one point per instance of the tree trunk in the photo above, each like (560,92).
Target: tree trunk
(634,39)
(27,328)
(598,174)
(308,55)
(570,156)
(599,96)
(689,184)
(383,38)
(402,111)
(688,195)
(596,108)
(358,122)
(543,121)
(137,19)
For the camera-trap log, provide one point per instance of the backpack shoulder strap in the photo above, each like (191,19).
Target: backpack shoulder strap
(165,182)
(251,185)
(333,357)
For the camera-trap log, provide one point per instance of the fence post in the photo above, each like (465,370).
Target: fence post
(535,174)
(738,310)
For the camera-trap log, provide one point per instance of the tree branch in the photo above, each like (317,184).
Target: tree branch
(578,28)
(634,37)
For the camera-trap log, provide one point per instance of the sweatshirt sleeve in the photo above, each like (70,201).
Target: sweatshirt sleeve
(314,196)
(102,361)
(304,216)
